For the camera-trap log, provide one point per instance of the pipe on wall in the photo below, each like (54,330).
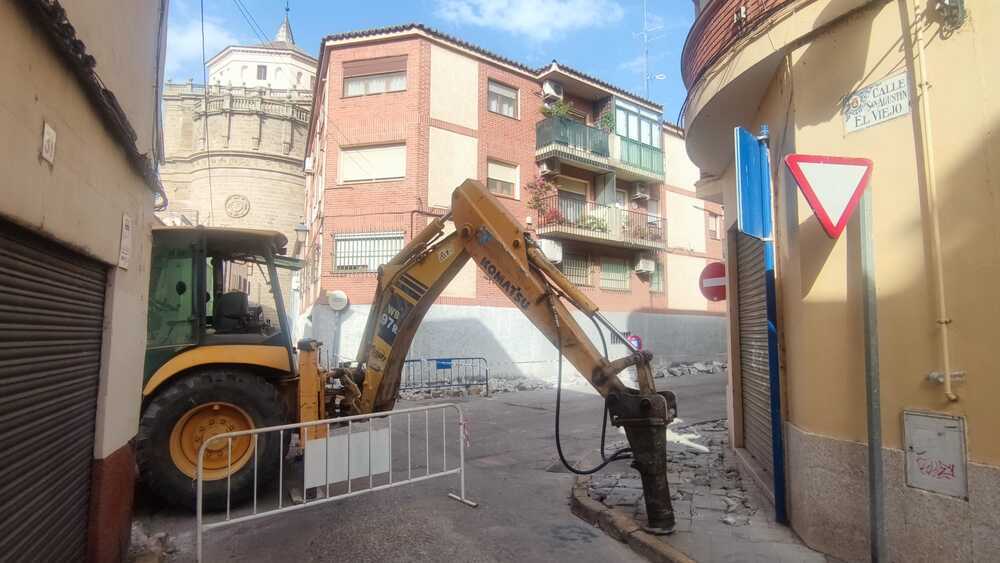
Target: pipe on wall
(923,86)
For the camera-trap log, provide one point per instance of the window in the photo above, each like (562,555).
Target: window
(572,198)
(364,252)
(656,278)
(368,164)
(576,268)
(714,226)
(502,99)
(374,84)
(637,124)
(614,274)
(502,179)
(374,76)
(653,210)
(261,72)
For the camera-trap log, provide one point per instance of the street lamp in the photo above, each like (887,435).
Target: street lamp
(300,238)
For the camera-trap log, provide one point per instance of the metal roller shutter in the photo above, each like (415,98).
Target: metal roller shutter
(51,320)
(754,361)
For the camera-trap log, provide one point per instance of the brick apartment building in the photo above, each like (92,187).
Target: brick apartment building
(402,115)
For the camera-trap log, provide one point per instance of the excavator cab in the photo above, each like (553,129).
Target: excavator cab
(214,287)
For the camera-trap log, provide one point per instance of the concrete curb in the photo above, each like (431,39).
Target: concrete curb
(619,525)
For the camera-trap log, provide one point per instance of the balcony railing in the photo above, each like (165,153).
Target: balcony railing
(254,104)
(574,218)
(636,157)
(571,133)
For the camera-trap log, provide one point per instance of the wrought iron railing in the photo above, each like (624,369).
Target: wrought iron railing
(587,219)
(571,133)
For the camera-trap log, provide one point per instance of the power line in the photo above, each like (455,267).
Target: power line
(208,149)
(245,12)
(253,22)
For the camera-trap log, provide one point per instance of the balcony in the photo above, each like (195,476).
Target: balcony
(575,219)
(636,161)
(570,140)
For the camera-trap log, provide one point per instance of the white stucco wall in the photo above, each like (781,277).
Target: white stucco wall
(454,88)
(283,68)
(452,159)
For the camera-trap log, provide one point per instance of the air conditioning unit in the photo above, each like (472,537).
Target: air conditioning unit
(552,90)
(548,167)
(309,165)
(645,265)
(552,249)
(641,191)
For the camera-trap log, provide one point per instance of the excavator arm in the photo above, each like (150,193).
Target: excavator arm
(488,234)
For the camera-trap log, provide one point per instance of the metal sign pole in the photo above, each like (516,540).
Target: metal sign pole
(876,481)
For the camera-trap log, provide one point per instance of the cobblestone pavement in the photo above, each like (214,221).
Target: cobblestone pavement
(716,518)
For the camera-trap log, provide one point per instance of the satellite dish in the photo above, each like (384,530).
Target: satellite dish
(337,300)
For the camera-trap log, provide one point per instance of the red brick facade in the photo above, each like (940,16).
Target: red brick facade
(402,205)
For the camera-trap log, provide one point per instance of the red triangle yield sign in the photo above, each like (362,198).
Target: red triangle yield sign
(832,185)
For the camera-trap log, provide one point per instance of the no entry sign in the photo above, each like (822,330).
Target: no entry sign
(712,281)
(832,185)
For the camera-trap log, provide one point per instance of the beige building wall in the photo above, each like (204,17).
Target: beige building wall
(819,279)
(454,88)
(680,171)
(452,159)
(80,200)
(682,282)
(685,222)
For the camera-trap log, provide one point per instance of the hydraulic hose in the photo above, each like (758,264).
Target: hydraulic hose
(620,454)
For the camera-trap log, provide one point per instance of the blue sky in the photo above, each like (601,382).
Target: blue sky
(598,37)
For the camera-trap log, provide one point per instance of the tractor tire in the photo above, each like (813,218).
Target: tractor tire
(181,417)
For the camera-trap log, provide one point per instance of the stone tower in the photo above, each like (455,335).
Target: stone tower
(234,155)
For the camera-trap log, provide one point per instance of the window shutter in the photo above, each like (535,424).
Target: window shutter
(372,163)
(503,172)
(375,66)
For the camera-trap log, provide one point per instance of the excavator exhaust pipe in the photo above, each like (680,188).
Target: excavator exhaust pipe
(645,418)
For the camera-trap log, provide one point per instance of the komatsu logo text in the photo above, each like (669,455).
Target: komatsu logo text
(512,291)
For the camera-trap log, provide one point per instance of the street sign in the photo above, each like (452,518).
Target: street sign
(712,281)
(832,185)
(753,184)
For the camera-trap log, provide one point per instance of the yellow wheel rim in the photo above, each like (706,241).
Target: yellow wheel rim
(201,423)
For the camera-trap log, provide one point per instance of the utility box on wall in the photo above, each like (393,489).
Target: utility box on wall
(935,453)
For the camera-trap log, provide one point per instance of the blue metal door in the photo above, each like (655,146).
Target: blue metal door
(760,385)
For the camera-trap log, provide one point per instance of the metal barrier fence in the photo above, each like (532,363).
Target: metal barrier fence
(435,373)
(335,460)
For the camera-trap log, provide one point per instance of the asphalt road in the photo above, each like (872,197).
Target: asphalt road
(511,470)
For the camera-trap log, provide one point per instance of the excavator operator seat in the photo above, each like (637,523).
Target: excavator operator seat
(230,312)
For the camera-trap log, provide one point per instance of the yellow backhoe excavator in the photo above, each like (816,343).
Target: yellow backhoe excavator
(229,372)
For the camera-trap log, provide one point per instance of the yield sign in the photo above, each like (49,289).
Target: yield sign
(832,185)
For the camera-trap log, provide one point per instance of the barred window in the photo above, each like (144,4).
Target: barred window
(364,252)
(576,268)
(614,273)
(656,278)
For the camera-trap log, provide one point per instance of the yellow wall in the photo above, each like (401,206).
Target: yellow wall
(819,279)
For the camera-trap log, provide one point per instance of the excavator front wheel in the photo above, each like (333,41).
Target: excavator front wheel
(198,426)
(186,414)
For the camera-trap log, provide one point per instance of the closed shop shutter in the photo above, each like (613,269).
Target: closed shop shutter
(754,361)
(51,320)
